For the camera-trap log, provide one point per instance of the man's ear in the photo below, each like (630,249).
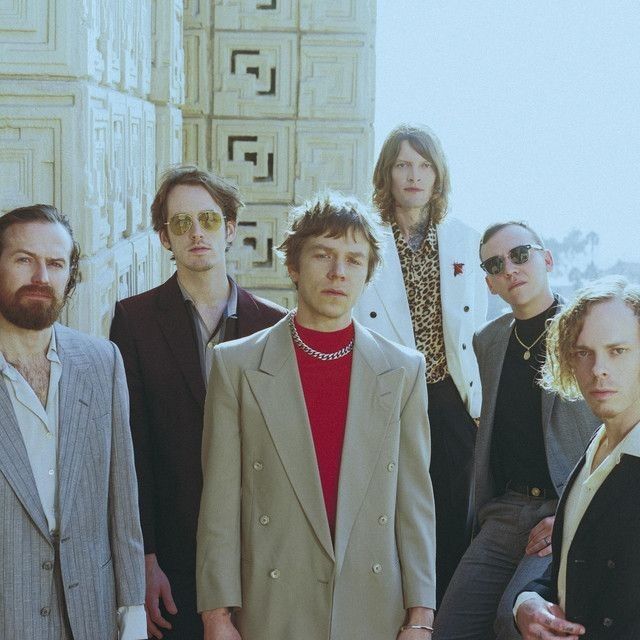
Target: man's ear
(231,231)
(294,275)
(548,260)
(164,238)
(488,281)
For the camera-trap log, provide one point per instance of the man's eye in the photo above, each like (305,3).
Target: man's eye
(619,350)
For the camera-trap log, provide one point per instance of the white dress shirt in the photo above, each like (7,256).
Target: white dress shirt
(583,489)
(39,428)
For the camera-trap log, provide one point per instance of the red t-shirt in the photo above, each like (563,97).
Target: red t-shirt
(325,384)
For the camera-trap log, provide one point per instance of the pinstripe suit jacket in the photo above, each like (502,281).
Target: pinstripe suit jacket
(96,557)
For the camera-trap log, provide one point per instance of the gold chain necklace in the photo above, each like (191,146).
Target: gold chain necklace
(527,348)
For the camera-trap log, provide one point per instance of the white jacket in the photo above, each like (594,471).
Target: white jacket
(383,306)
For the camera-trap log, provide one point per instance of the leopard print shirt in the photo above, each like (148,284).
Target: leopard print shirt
(421,274)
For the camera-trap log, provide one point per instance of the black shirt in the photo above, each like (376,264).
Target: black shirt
(517,444)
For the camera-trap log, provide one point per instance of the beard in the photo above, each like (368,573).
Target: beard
(34,315)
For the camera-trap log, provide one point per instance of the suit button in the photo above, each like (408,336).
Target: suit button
(257,465)
(264,520)
(471,384)
(274,574)
(464,346)
(47,565)
(373,314)
(383,520)
(611,564)
(391,466)
(377,568)
(466,308)
(607,622)
(45,611)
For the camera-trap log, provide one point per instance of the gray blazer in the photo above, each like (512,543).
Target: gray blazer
(264,542)
(100,564)
(567,426)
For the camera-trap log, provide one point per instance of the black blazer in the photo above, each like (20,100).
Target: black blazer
(603,564)
(157,338)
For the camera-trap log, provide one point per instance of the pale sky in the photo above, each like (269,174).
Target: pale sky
(536,103)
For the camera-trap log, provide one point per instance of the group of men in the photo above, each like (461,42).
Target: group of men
(305,474)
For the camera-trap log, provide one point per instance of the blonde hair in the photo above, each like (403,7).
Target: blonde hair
(424,142)
(564,329)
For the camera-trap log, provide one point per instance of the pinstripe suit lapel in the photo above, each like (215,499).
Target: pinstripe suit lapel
(75,400)
(15,465)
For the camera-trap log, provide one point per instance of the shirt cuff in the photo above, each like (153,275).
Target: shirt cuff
(132,623)
(524,596)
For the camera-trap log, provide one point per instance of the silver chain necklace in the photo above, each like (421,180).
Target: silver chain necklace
(312,352)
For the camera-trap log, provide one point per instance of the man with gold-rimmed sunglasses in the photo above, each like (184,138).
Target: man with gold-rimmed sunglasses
(166,337)
(528,442)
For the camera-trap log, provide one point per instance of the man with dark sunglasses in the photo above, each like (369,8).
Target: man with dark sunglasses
(166,337)
(528,442)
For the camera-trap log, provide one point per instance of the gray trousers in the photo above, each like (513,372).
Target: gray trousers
(479,601)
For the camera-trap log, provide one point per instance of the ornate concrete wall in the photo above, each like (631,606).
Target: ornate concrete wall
(97,97)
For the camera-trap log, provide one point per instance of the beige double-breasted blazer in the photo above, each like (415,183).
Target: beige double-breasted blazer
(264,542)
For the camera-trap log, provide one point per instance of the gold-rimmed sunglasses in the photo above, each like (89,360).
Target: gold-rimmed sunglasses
(209,220)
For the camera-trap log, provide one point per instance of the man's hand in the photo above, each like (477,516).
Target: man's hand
(218,626)
(540,538)
(538,619)
(157,588)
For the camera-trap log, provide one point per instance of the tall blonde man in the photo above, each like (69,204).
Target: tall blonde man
(592,590)
(430,295)
(317,516)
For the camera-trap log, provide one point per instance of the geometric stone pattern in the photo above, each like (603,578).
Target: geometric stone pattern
(90,112)
(98,97)
(292,114)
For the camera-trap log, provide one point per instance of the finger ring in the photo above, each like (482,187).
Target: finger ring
(547,540)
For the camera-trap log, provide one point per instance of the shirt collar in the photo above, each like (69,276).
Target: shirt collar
(429,241)
(232,301)
(629,445)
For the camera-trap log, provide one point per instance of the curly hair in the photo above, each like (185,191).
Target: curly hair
(333,215)
(565,328)
(424,142)
(45,213)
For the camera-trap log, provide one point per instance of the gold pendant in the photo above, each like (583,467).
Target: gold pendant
(527,354)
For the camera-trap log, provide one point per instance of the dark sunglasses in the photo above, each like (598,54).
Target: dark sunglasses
(209,220)
(518,255)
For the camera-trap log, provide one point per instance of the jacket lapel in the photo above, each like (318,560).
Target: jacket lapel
(373,393)
(15,465)
(278,392)
(178,331)
(75,400)
(389,287)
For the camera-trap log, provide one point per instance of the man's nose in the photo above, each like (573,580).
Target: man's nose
(40,272)
(338,269)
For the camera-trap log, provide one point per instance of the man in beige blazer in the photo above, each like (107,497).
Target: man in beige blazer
(317,515)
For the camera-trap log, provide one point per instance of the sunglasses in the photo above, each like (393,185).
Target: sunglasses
(208,219)
(518,255)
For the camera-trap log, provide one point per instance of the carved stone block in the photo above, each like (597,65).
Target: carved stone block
(286,298)
(256,15)
(168,137)
(258,155)
(141,263)
(341,16)
(255,74)
(197,14)
(167,77)
(149,165)
(197,71)
(117,167)
(195,136)
(336,77)
(333,157)
(252,259)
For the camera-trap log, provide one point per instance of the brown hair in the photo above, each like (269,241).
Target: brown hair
(565,328)
(225,194)
(424,142)
(332,215)
(47,214)
(491,231)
